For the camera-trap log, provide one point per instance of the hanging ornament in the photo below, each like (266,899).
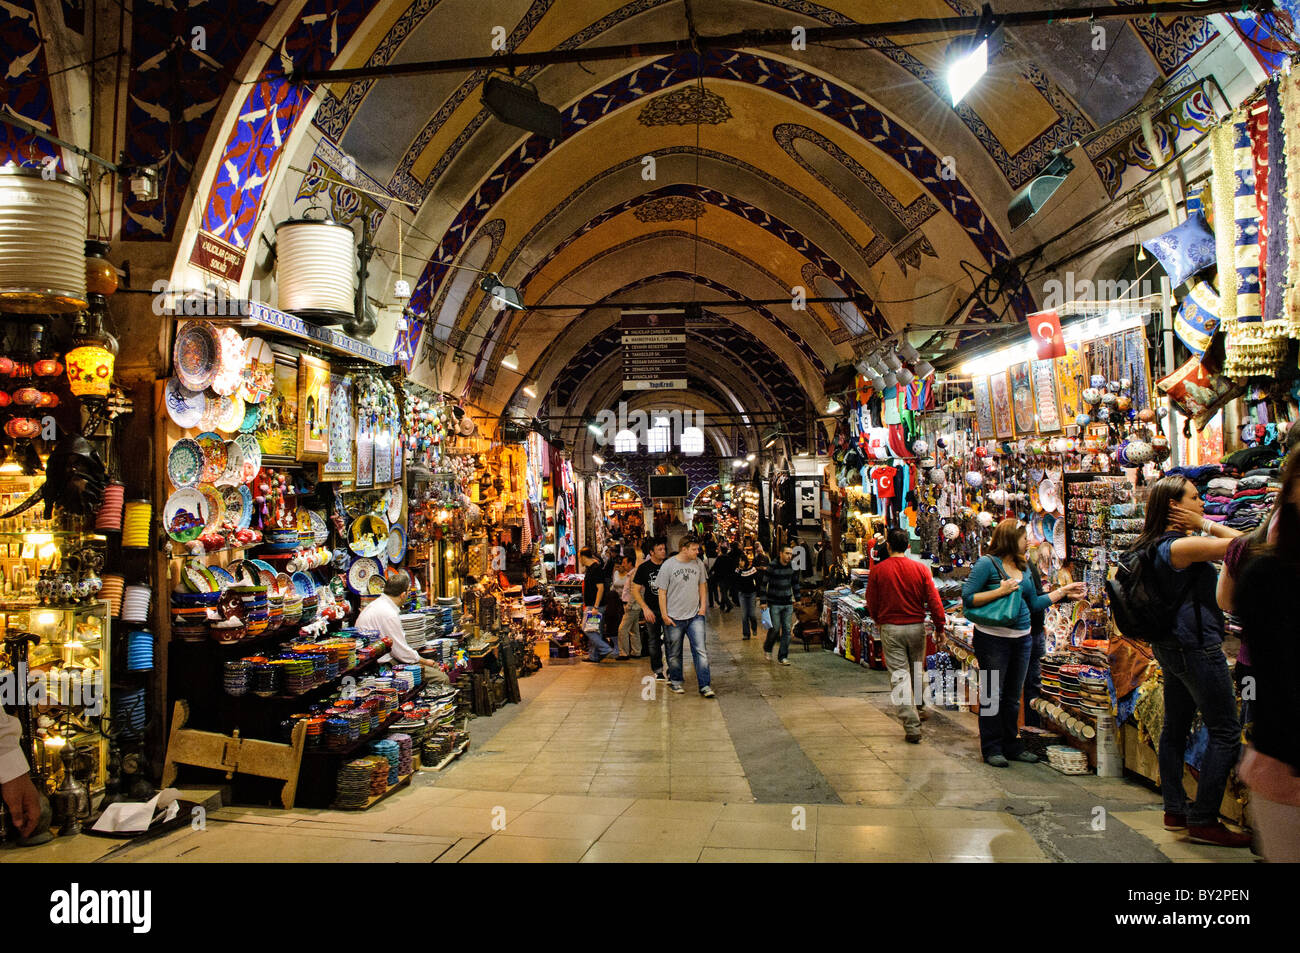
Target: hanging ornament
(1092,396)
(937,476)
(1139,452)
(984,518)
(1082,420)
(920,448)
(951,531)
(975,479)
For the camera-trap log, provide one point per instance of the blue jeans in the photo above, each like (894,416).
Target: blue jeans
(1003,664)
(1034,676)
(1197,679)
(748,619)
(694,631)
(599,647)
(782,619)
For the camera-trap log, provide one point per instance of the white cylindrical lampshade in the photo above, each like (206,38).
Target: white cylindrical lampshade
(905,376)
(907,352)
(892,360)
(42,242)
(890,378)
(924,369)
(878,382)
(316,266)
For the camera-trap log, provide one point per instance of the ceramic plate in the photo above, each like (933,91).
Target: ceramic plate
(283,582)
(252,416)
(233,501)
(246,512)
(216,508)
(244,573)
(376,584)
(196,354)
(214,456)
(360,573)
(184,406)
(214,408)
(257,380)
(233,418)
(302,582)
(267,579)
(198,577)
(224,579)
(320,529)
(1048,497)
(368,535)
(395,503)
(396,545)
(252,456)
(230,362)
(184,463)
(233,475)
(185,514)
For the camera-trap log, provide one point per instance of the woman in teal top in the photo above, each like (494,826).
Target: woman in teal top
(1003,652)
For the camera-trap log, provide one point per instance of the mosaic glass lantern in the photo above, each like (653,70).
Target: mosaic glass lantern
(90,363)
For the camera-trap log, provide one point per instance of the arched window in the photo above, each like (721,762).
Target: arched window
(625,442)
(693,441)
(661,436)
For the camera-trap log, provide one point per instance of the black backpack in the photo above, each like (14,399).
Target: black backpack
(1140,603)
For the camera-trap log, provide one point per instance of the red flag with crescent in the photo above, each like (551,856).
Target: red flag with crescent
(1045,326)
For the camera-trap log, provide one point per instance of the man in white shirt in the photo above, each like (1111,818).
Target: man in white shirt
(15,782)
(384,616)
(683,584)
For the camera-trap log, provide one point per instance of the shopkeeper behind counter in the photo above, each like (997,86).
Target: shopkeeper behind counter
(384,616)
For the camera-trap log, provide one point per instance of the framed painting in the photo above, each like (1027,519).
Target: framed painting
(365,450)
(1049,413)
(1022,399)
(313,409)
(338,462)
(1070,375)
(399,454)
(983,408)
(383,456)
(277,427)
(1004,427)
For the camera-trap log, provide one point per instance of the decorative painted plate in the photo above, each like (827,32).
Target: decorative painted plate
(284,583)
(252,416)
(184,463)
(216,507)
(396,545)
(360,573)
(252,451)
(368,535)
(214,456)
(230,362)
(1048,496)
(246,513)
(224,579)
(233,475)
(198,577)
(303,583)
(185,514)
(376,584)
(233,501)
(233,418)
(214,408)
(268,579)
(263,566)
(320,529)
(244,573)
(184,406)
(394,503)
(258,379)
(196,354)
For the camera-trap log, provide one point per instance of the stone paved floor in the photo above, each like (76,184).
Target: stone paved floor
(791,763)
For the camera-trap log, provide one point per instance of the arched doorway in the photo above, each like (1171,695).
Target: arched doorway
(625,512)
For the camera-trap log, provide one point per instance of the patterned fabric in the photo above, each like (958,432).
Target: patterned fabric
(1257,125)
(920,395)
(1184,250)
(1246,216)
(1221,191)
(1278,253)
(1198,318)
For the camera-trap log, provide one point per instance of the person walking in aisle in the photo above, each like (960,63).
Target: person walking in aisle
(1003,651)
(780,592)
(614,602)
(709,553)
(1261,571)
(721,576)
(746,581)
(646,596)
(683,584)
(1196,675)
(899,590)
(631,610)
(593,595)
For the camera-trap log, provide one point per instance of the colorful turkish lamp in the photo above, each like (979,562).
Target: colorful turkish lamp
(22,427)
(5,399)
(7,366)
(48,400)
(27,396)
(90,363)
(101,277)
(48,367)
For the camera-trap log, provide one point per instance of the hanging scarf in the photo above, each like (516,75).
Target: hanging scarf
(1278,256)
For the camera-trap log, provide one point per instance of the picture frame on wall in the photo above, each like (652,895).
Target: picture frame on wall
(383,456)
(277,427)
(365,453)
(1045,398)
(1021,386)
(1004,427)
(338,463)
(983,408)
(313,409)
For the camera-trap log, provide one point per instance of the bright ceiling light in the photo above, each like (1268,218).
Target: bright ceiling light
(511,361)
(751,457)
(594,428)
(530,391)
(966,69)
(832,406)
(738,463)
(600,461)
(503,296)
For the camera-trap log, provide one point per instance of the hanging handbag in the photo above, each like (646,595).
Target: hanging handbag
(1001,613)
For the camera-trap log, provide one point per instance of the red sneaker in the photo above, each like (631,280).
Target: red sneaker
(1175,822)
(1218,835)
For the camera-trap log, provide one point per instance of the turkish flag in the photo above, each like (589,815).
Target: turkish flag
(1045,326)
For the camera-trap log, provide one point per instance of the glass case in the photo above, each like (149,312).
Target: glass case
(67,680)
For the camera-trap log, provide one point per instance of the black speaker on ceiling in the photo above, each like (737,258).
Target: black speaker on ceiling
(517,104)
(1029,200)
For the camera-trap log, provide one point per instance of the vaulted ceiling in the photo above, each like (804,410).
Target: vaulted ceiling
(840,168)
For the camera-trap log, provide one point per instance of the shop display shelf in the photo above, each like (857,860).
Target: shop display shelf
(216,552)
(375,799)
(370,736)
(319,685)
(456,752)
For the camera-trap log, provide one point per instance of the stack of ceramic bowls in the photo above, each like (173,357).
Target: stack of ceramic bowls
(129,713)
(257,613)
(112,592)
(236,677)
(137,520)
(135,604)
(274,609)
(190,614)
(139,652)
(109,516)
(298,673)
(414,630)
(263,677)
(280,540)
(292,609)
(388,749)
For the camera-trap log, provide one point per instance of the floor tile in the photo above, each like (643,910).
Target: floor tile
(759,835)
(650,830)
(507,848)
(596,806)
(608,852)
(733,855)
(679,809)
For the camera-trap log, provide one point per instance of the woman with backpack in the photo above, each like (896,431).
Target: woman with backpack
(1261,572)
(1002,640)
(1196,676)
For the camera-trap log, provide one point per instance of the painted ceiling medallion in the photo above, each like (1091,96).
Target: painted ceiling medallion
(670,208)
(685,107)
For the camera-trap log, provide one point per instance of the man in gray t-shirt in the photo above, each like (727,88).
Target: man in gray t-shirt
(683,584)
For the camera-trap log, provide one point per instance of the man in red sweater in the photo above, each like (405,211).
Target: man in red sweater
(899,590)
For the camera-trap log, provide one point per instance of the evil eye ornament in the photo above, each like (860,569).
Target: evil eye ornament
(1092,396)
(1082,420)
(1109,399)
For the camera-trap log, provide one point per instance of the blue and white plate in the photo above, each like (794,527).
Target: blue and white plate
(184,406)
(360,573)
(184,463)
(224,579)
(396,545)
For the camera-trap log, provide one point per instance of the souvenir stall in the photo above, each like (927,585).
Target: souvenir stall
(625,511)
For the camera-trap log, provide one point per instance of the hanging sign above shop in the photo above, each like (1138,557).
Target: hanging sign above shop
(654,350)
